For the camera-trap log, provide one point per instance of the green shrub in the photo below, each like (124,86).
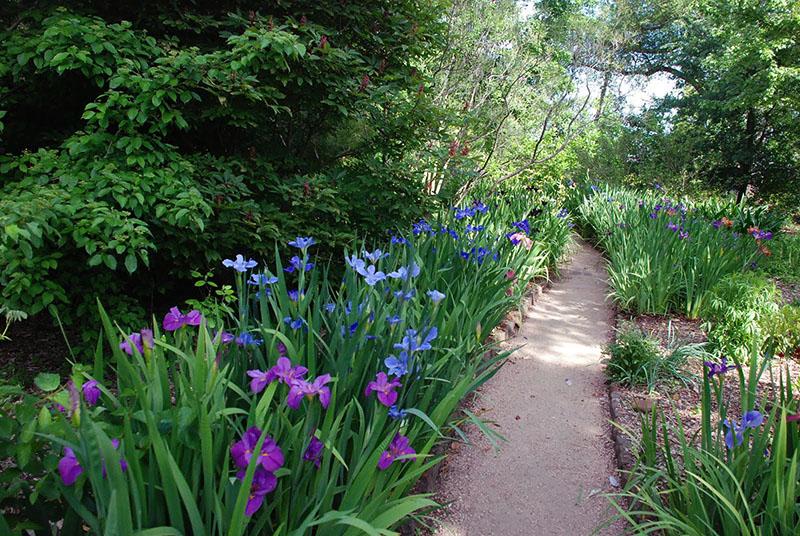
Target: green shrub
(140,143)
(635,358)
(782,329)
(739,475)
(784,261)
(736,310)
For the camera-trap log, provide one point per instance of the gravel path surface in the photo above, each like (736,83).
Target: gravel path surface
(550,402)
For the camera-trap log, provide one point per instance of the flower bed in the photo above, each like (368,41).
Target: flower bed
(313,408)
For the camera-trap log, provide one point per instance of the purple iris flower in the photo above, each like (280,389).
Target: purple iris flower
(302,242)
(260,379)
(371,275)
(384,388)
(123,465)
(396,413)
(672,226)
(313,452)
(69,468)
(398,240)
(399,447)
(91,392)
(398,366)
(224,337)
(264,482)
(248,339)
(683,235)
(436,296)
(262,280)
(653,215)
(294,295)
(239,264)
(480,207)
(721,368)
(143,340)
(270,457)
(296,264)
(717,224)
(294,323)
(288,373)
(405,296)
(175,320)
(302,388)
(462,213)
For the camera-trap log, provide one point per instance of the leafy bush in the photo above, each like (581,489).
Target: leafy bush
(784,261)
(663,254)
(740,476)
(783,330)
(636,358)
(155,433)
(736,310)
(143,142)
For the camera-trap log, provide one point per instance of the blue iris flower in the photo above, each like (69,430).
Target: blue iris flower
(248,339)
(295,264)
(239,264)
(413,342)
(393,320)
(262,279)
(396,413)
(375,256)
(330,307)
(436,296)
(397,366)
(371,275)
(523,226)
(295,324)
(303,242)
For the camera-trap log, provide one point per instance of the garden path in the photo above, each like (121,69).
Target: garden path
(550,402)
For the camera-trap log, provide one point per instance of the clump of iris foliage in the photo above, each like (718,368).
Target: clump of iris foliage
(665,254)
(313,408)
(739,476)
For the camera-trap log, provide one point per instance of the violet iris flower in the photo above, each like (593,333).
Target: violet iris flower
(302,242)
(175,320)
(286,373)
(264,482)
(69,468)
(716,369)
(405,272)
(398,240)
(436,296)
(224,337)
(239,264)
(384,388)
(143,340)
(313,452)
(672,226)
(260,379)
(91,392)
(400,446)
(302,388)
(270,457)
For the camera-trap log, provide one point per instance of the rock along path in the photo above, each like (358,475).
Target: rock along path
(550,402)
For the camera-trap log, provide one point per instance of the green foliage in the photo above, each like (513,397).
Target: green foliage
(142,141)
(697,485)
(785,259)
(664,254)
(636,358)
(177,407)
(732,121)
(737,310)
(783,330)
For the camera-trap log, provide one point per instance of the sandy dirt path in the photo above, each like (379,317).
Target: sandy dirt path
(550,402)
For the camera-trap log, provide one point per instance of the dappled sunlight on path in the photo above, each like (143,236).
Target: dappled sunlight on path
(549,402)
